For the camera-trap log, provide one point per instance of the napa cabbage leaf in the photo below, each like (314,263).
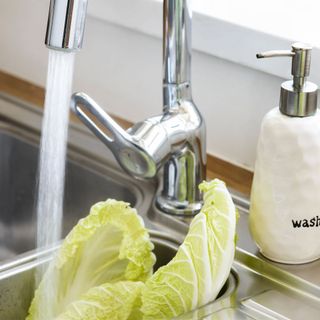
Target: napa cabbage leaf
(111,244)
(110,301)
(202,264)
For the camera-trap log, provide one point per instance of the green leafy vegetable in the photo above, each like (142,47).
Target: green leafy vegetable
(111,244)
(119,301)
(203,262)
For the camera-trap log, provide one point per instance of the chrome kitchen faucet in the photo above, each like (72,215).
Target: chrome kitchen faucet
(170,146)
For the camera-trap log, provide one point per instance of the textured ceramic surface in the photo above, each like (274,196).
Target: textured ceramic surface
(285,198)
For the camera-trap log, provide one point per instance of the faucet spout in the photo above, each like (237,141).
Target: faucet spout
(66,23)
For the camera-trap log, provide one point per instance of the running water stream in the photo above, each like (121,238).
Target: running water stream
(53,149)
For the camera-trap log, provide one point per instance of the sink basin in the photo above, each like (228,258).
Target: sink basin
(17,281)
(256,289)
(18,169)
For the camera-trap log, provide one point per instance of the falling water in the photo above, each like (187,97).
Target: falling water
(53,148)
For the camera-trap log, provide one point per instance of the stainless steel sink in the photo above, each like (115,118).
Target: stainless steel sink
(17,278)
(256,288)
(18,171)
(91,176)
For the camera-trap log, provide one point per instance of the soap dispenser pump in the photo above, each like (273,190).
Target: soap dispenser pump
(285,198)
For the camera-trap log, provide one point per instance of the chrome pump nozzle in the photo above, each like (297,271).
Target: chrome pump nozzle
(298,97)
(66,23)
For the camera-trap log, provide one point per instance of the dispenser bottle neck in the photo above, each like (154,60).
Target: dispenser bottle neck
(298,96)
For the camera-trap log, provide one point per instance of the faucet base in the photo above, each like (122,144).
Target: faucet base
(178,208)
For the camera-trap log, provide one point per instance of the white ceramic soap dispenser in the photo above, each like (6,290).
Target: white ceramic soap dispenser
(285,197)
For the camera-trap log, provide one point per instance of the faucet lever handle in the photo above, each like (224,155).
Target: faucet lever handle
(132,157)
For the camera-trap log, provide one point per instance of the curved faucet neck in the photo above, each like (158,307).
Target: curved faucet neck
(176,51)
